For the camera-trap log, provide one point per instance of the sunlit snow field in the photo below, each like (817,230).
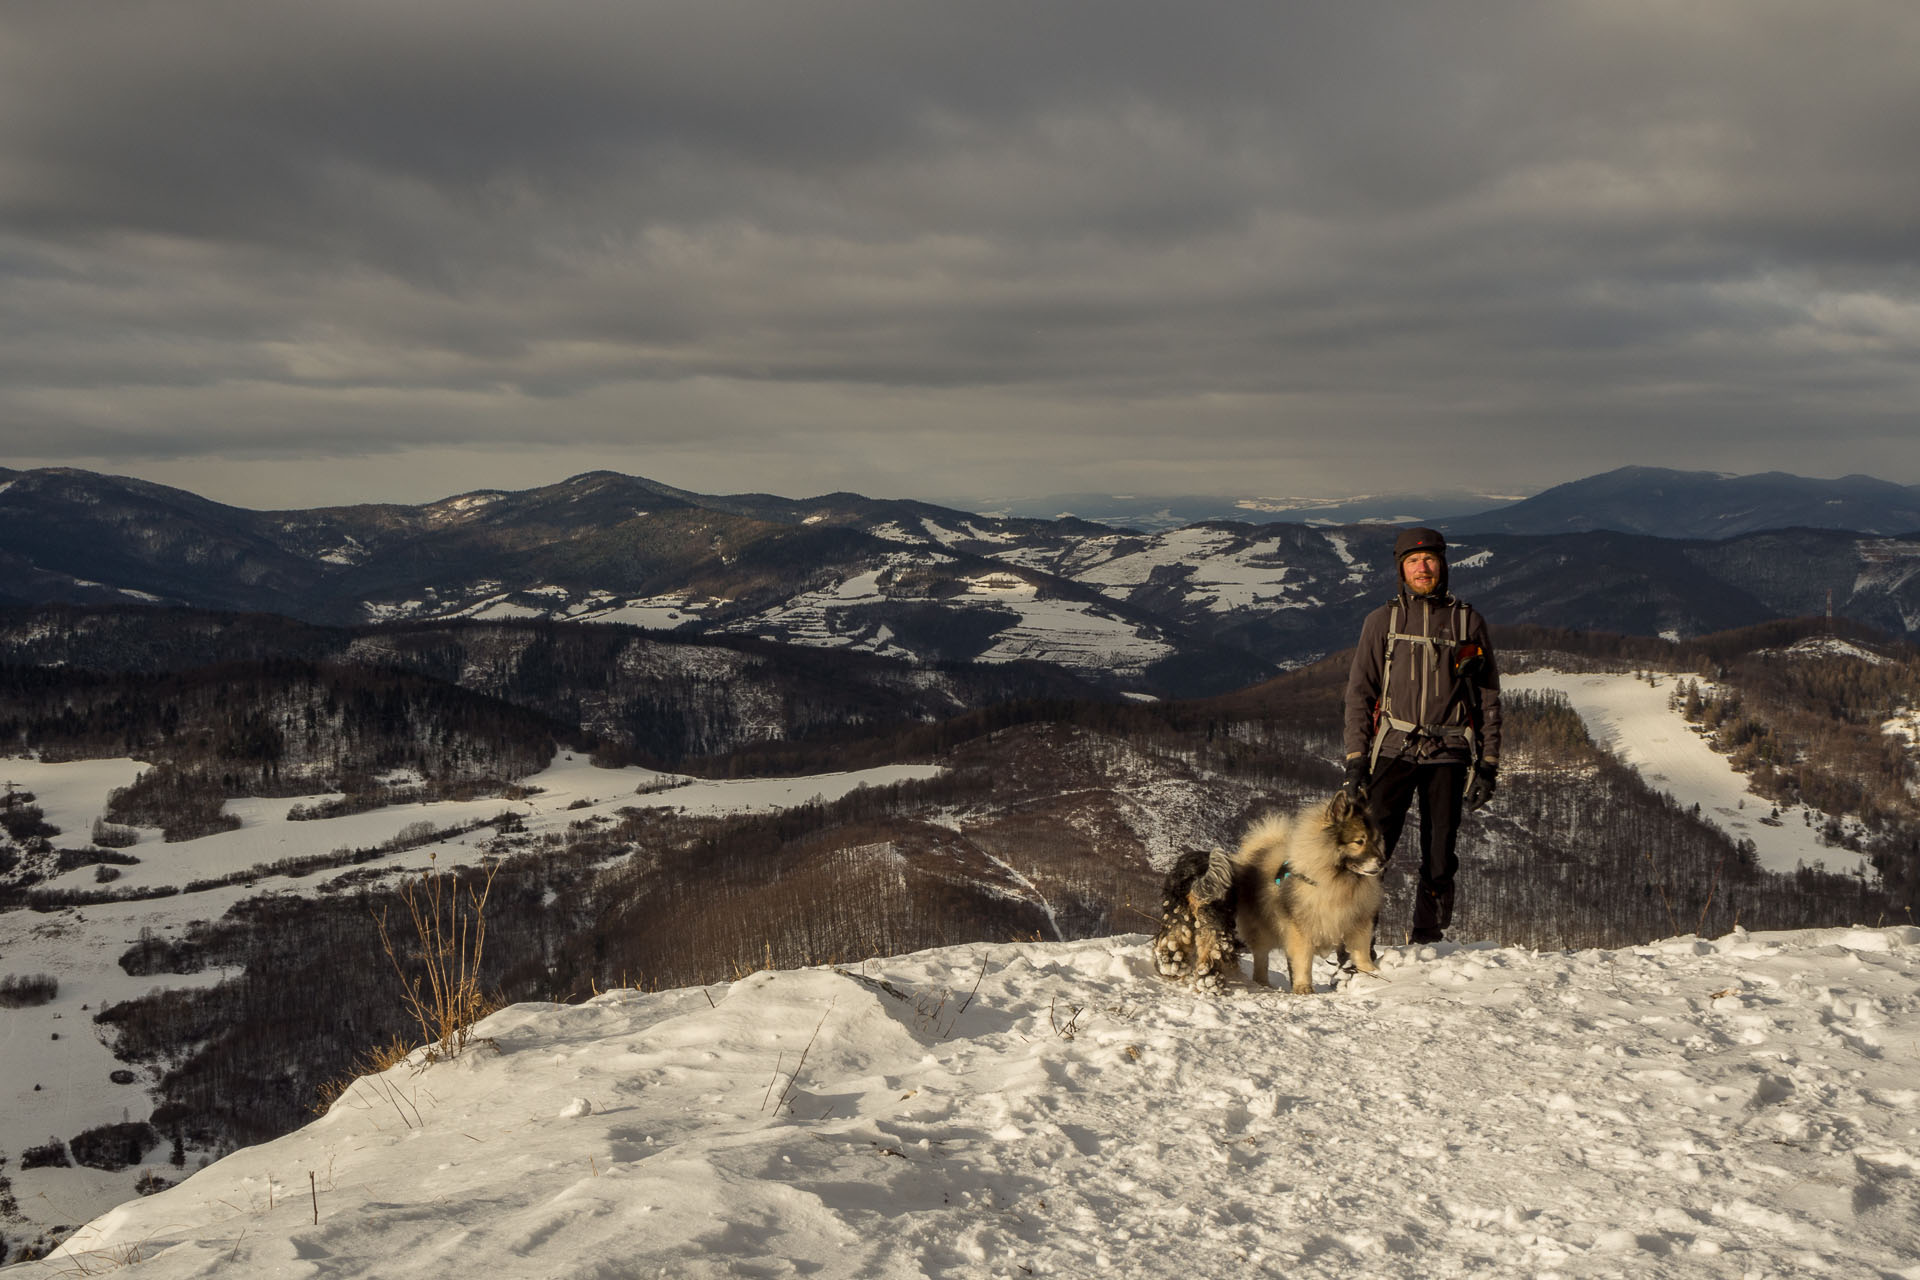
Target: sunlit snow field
(1738,1108)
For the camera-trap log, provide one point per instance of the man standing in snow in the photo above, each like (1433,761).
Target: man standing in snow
(1423,718)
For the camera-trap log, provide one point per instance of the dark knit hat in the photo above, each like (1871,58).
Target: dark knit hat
(1412,540)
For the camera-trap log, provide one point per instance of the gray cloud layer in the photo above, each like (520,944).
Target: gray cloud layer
(976,247)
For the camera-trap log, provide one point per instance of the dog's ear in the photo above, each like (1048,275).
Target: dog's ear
(1340,808)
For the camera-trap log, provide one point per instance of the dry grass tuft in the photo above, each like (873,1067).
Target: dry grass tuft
(450,927)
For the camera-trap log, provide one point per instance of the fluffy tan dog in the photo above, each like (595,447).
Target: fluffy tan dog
(1309,883)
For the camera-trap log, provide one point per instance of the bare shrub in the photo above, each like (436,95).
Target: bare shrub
(113,1146)
(183,804)
(450,935)
(111,835)
(51,1154)
(24,990)
(412,836)
(153,953)
(22,820)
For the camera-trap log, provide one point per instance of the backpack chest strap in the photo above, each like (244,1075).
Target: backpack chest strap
(1435,642)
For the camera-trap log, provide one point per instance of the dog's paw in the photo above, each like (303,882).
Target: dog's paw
(1171,959)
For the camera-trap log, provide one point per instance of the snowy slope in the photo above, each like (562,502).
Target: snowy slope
(1632,719)
(56,1072)
(1745,1107)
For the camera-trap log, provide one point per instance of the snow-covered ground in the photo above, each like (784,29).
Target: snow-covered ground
(1633,720)
(1738,1108)
(56,1073)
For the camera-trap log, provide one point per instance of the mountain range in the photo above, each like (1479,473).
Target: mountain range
(1182,612)
(1664,503)
(1657,501)
(1153,513)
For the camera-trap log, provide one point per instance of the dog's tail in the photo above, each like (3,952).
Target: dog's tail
(1269,833)
(1214,885)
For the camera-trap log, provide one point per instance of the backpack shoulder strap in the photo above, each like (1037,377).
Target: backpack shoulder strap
(1381,716)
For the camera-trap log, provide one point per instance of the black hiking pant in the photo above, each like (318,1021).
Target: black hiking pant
(1439,788)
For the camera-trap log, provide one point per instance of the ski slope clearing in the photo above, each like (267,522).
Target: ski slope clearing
(56,1074)
(1631,718)
(1703,1109)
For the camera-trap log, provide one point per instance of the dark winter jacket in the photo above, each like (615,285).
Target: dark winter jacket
(1422,689)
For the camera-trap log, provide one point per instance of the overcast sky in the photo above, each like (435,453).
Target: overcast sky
(295,254)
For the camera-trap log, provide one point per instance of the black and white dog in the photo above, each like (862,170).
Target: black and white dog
(1196,939)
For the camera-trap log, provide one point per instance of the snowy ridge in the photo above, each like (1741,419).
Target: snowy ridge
(1690,1108)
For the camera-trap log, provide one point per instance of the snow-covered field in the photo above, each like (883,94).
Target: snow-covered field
(1738,1108)
(1633,720)
(73,794)
(55,1072)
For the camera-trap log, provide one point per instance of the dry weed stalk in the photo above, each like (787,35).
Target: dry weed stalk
(93,1262)
(371,1063)
(446,999)
(1071,1027)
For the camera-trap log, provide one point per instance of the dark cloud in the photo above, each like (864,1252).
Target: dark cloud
(1037,245)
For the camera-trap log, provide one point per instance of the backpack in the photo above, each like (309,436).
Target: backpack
(1466,657)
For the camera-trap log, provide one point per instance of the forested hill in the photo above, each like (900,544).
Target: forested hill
(246,689)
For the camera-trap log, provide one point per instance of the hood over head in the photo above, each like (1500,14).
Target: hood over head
(1421,539)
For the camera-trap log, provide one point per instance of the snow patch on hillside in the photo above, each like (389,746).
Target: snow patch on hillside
(1213,566)
(392,610)
(1356,572)
(1720,1109)
(1830,647)
(1078,636)
(969,532)
(497,610)
(656,613)
(462,507)
(893,532)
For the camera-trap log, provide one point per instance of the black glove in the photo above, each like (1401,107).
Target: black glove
(1356,783)
(1480,785)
